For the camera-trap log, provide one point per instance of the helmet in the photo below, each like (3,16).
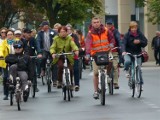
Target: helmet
(18,44)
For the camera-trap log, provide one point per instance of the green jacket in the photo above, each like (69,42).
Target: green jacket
(63,44)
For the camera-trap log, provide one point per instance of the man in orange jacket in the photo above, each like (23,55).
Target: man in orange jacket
(96,41)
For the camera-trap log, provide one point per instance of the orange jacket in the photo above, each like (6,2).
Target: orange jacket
(100,42)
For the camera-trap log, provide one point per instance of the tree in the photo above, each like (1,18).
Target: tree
(67,11)
(12,11)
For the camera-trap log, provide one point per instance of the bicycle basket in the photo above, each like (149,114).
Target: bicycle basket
(101,58)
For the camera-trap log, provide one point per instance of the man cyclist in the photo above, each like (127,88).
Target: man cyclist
(114,36)
(63,43)
(21,66)
(133,42)
(96,41)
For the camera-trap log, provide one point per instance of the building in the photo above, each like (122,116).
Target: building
(123,11)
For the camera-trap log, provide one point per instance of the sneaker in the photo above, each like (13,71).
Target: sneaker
(26,93)
(76,88)
(5,98)
(96,95)
(116,86)
(127,74)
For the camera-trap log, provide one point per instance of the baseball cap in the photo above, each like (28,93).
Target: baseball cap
(109,21)
(44,23)
(26,30)
(17,32)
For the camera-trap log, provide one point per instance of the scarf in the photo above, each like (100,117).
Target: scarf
(10,42)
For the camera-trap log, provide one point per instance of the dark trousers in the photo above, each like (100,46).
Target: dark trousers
(157,56)
(5,82)
(76,71)
(60,64)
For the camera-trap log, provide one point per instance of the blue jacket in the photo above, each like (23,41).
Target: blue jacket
(40,39)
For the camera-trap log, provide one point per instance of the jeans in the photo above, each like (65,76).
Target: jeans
(157,56)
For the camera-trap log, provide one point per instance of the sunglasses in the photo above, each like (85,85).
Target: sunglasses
(18,46)
(3,32)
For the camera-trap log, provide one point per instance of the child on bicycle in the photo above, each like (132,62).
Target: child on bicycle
(20,66)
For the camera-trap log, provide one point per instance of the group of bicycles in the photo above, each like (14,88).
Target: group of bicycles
(106,82)
(135,80)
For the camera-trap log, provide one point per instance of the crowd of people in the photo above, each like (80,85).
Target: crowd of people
(17,46)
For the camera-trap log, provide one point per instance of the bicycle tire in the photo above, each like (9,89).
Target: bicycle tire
(138,85)
(69,94)
(133,83)
(43,83)
(103,89)
(11,99)
(64,92)
(18,99)
(111,89)
(48,78)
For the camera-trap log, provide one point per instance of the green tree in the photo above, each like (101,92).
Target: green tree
(67,11)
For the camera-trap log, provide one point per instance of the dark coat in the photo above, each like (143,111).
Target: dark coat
(40,39)
(23,63)
(129,46)
(30,47)
(155,42)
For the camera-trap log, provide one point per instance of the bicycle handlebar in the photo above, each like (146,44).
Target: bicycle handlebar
(134,55)
(59,54)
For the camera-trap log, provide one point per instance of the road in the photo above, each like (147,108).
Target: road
(120,106)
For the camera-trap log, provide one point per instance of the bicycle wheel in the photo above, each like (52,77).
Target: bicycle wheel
(18,100)
(68,93)
(11,98)
(110,84)
(138,85)
(80,68)
(132,80)
(103,89)
(48,78)
(43,83)
(64,92)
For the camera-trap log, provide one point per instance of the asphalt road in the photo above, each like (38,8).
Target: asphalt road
(120,106)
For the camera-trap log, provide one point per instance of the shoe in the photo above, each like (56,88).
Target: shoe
(37,90)
(59,85)
(127,74)
(26,93)
(76,88)
(54,83)
(96,95)
(5,98)
(116,86)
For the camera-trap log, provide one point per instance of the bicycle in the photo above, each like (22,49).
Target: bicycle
(135,79)
(102,79)
(111,74)
(33,83)
(80,67)
(67,83)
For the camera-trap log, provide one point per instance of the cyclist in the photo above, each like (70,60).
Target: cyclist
(44,41)
(114,36)
(76,60)
(82,46)
(21,66)
(30,49)
(6,47)
(133,42)
(63,43)
(96,41)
